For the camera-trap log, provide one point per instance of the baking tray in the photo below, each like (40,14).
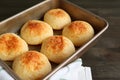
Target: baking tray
(14,23)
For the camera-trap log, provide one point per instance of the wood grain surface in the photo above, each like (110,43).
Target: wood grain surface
(104,57)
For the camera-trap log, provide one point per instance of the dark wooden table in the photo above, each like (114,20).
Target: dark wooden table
(104,57)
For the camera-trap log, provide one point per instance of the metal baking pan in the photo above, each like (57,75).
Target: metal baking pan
(14,23)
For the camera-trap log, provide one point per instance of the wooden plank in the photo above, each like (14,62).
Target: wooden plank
(9,8)
(18,3)
(97,4)
(103,63)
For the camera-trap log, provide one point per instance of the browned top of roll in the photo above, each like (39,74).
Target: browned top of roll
(78,27)
(57,12)
(56,43)
(31,59)
(9,42)
(35,27)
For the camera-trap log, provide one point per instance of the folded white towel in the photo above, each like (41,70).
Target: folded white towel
(73,71)
(4,75)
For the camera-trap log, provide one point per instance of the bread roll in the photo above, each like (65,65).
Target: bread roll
(57,18)
(57,48)
(35,31)
(31,65)
(79,32)
(11,45)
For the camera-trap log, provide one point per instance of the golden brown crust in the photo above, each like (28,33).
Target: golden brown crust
(57,18)
(57,48)
(77,26)
(31,65)
(57,12)
(79,32)
(35,31)
(31,59)
(34,27)
(9,42)
(11,45)
(56,43)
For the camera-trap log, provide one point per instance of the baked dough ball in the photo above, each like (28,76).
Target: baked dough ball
(79,32)
(11,45)
(31,65)
(57,48)
(35,31)
(57,18)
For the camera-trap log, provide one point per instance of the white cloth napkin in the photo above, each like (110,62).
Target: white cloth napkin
(73,71)
(4,75)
